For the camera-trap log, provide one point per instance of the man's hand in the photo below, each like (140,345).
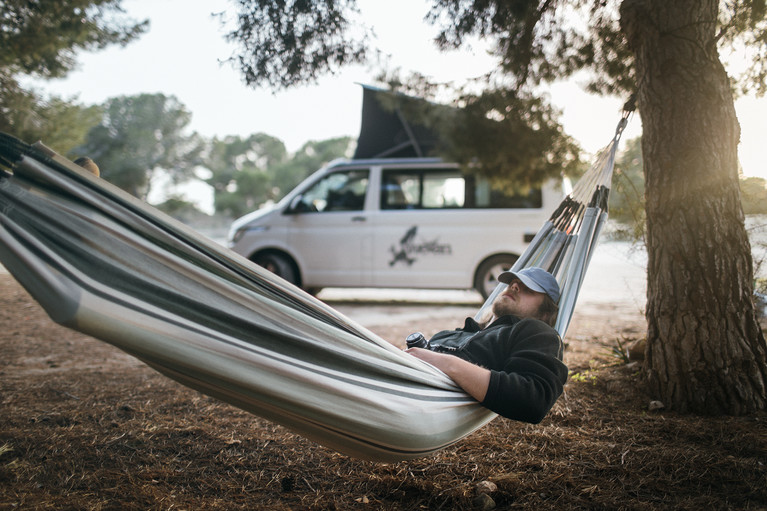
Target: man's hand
(474,380)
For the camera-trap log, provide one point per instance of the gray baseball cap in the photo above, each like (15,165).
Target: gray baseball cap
(537,279)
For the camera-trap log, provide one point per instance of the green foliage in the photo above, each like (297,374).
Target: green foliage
(743,29)
(583,377)
(310,157)
(238,171)
(617,351)
(286,43)
(503,132)
(543,41)
(753,195)
(627,202)
(60,124)
(512,139)
(141,134)
(41,38)
(246,173)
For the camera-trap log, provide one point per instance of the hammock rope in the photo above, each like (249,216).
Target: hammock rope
(110,266)
(567,240)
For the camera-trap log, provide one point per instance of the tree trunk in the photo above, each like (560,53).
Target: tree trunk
(705,350)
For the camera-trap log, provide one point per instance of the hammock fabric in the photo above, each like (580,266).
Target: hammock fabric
(103,263)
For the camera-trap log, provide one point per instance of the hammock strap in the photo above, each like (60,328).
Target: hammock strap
(565,244)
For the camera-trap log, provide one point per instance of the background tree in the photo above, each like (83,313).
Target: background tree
(246,173)
(626,202)
(705,351)
(753,192)
(518,135)
(239,171)
(41,39)
(60,124)
(310,157)
(140,135)
(289,43)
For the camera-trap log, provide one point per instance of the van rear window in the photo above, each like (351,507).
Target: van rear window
(447,189)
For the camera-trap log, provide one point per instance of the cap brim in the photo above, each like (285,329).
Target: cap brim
(507,276)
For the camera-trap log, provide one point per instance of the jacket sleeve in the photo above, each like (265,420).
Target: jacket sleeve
(532,378)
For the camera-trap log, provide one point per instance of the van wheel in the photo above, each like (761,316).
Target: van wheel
(486,278)
(277,264)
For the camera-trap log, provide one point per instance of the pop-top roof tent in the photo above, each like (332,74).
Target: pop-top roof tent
(387,132)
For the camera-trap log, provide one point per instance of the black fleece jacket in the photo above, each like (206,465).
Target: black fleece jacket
(524,357)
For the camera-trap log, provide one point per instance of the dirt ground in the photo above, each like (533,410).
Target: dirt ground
(84,426)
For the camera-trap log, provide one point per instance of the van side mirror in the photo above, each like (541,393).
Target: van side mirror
(297,205)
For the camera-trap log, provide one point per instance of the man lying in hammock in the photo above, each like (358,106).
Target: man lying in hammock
(513,363)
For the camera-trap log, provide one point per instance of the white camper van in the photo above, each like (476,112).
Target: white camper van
(391,217)
(394,223)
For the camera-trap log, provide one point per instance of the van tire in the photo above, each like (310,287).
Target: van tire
(278,264)
(486,277)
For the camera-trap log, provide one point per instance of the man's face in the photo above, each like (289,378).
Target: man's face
(518,300)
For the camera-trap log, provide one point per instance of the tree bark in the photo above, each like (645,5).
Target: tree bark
(705,350)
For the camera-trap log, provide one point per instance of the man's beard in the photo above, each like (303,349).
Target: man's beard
(503,307)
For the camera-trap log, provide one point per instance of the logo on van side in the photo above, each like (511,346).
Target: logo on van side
(409,247)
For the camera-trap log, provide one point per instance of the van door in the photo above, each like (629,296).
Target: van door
(436,226)
(419,239)
(329,231)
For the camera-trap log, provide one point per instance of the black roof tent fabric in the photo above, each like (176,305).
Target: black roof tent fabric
(386,133)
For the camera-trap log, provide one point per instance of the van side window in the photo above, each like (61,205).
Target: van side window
(484,196)
(448,189)
(339,191)
(400,190)
(422,189)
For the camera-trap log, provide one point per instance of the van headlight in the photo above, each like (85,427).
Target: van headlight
(237,235)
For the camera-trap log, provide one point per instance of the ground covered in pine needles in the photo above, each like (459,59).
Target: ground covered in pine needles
(83,426)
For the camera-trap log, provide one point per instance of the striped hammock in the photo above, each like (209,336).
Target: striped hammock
(103,263)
